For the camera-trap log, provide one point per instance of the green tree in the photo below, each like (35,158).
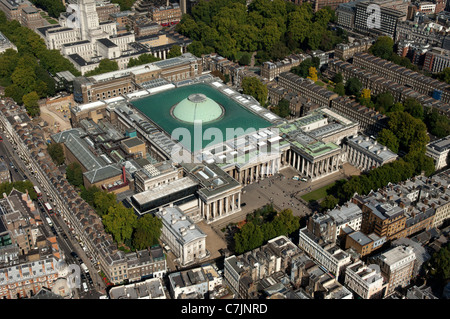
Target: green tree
(282,109)
(383,47)
(88,194)
(303,69)
(410,132)
(339,89)
(147,232)
(74,174)
(30,102)
(437,124)
(387,137)
(56,152)
(413,107)
(175,51)
(104,66)
(120,222)
(384,102)
(254,87)
(245,58)
(21,186)
(329,202)
(15,92)
(290,222)
(397,107)
(248,238)
(142,59)
(353,86)
(103,201)
(444,75)
(338,78)
(439,264)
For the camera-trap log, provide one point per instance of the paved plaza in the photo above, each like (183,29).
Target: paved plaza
(280,190)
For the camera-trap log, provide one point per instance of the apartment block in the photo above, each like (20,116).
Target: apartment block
(149,289)
(329,256)
(328,225)
(270,70)
(380,217)
(419,32)
(391,12)
(365,280)
(345,51)
(436,60)
(396,266)
(361,243)
(166,15)
(105,8)
(306,88)
(194,283)
(432,91)
(438,151)
(391,71)
(370,122)
(242,273)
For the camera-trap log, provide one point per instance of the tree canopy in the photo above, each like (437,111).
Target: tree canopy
(56,152)
(274,28)
(142,59)
(262,225)
(254,87)
(174,51)
(104,66)
(29,69)
(74,174)
(384,48)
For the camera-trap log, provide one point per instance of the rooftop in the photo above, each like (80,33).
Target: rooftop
(183,228)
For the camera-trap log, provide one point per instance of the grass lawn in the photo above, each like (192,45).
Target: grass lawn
(317,194)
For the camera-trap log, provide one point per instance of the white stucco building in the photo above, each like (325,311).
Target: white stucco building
(179,232)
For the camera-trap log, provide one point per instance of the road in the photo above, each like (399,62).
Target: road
(67,243)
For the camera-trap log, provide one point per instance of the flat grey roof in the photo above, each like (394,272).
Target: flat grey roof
(163,190)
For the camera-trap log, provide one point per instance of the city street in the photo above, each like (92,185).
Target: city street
(67,243)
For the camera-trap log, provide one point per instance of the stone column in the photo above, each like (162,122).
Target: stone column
(227,205)
(239,201)
(208,209)
(221,206)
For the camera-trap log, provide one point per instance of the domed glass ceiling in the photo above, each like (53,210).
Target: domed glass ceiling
(197,107)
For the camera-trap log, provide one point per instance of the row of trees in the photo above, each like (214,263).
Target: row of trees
(104,66)
(26,73)
(52,7)
(262,225)
(121,222)
(142,59)
(384,48)
(437,124)
(273,28)
(404,133)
